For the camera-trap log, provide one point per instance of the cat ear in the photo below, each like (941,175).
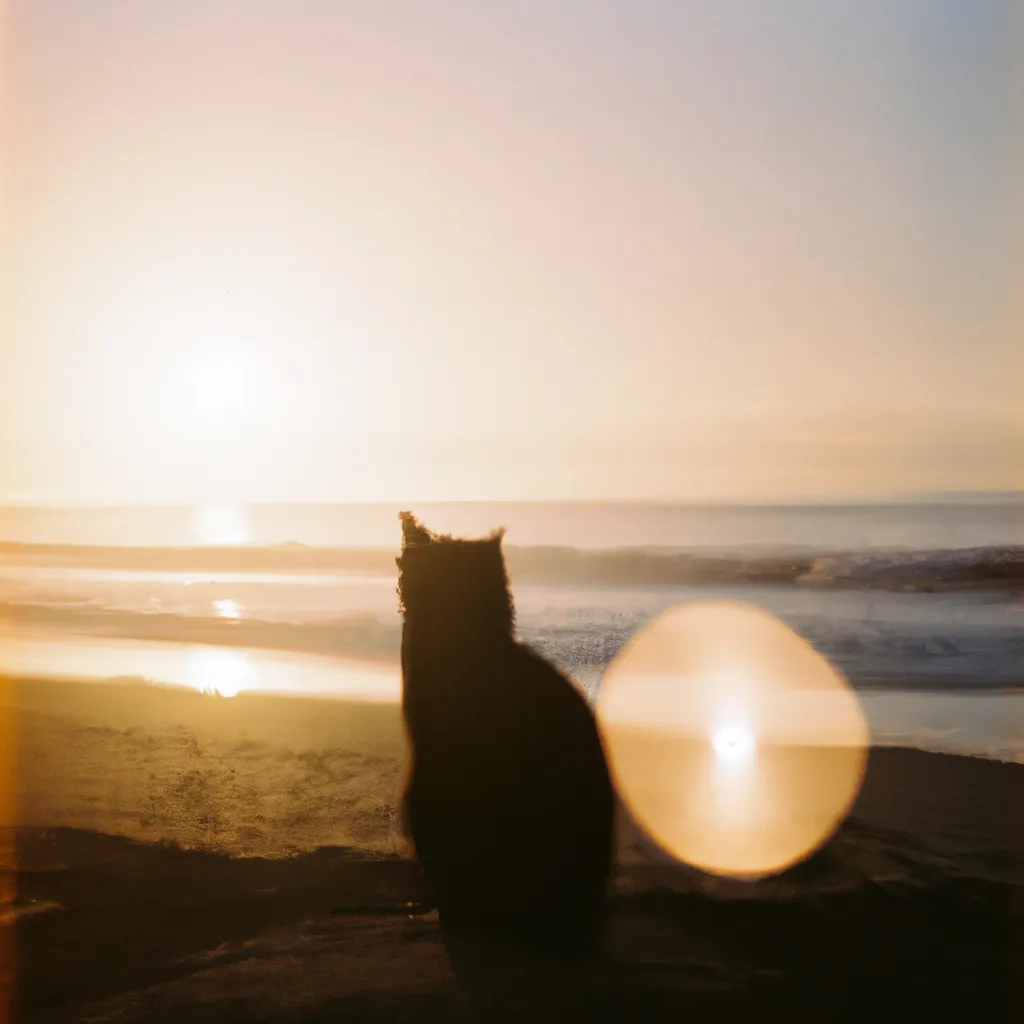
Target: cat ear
(412,532)
(497,536)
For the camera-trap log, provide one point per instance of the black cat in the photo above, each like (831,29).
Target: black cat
(509,802)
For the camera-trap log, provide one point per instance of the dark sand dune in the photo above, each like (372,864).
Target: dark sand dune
(915,907)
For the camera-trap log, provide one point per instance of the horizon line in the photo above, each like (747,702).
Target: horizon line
(908,497)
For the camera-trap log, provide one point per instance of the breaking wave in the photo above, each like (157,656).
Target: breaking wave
(970,568)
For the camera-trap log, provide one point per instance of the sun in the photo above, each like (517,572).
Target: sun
(221,384)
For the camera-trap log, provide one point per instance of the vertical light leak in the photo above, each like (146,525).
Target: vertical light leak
(8,711)
(8,849)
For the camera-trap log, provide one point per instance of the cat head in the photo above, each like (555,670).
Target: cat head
(443,577)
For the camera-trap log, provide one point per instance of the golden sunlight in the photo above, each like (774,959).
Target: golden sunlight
(737,746)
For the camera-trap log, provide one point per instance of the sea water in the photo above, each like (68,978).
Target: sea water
(937,670)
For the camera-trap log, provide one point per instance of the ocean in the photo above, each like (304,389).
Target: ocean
(936,523)
(918,603)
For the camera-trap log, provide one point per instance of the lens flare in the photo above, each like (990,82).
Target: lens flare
(8,824)
(738,747)
(733,744)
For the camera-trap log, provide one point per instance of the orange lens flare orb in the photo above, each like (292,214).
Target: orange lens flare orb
(738,747)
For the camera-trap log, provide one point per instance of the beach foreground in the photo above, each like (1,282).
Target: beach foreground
(180,857)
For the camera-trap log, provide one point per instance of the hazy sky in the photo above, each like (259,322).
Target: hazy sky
(315,249)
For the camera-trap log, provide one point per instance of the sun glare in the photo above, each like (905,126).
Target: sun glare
(219,524)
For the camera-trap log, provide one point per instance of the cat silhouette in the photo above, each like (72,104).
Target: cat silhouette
(508,802)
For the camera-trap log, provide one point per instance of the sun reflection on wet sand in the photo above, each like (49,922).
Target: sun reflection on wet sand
(223,670)
(736,745)
(227,608)
(218,670)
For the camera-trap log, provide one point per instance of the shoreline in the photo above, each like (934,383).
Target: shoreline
(996,568)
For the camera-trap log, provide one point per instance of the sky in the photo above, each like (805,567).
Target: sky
(325,250)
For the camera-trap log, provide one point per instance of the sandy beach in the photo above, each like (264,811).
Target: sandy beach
(186,857)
